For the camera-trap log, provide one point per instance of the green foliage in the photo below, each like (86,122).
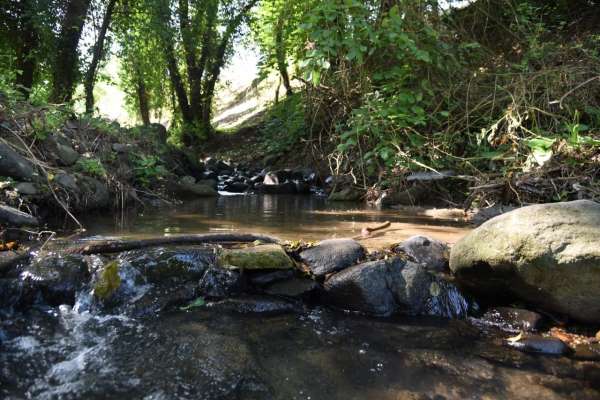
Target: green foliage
(48,121)
(285,125)
(199,302)
(148,169)
(92,167)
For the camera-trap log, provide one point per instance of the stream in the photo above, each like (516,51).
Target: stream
(75,352)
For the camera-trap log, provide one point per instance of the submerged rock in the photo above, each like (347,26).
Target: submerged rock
(385,287)
(256,305)
(13,217)
(190,190)
(264,256)
(56,278)
(332,255)
(432,253)
(514,319)
(219,282)
(294,287)
(546,255)
(540,345)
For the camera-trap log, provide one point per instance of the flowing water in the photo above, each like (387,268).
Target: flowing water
(318,353)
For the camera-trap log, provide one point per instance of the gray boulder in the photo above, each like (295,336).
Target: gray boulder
(26,188)
(547,255)
(385,287)
(12,216)
(14,165)
(432,253)
(332,255)
(193,190)
(60,147)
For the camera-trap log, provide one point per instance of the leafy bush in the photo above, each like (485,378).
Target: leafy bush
(148,169)
(284,126)
(92,167)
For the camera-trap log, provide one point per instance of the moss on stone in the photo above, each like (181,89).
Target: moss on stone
(268,256)
(108,281)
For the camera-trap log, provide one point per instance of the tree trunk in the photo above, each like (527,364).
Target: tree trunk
(28,37)
(281,57)
(98,53)
(142,95)
(67,59)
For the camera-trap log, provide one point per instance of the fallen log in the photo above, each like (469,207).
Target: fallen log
(117,246)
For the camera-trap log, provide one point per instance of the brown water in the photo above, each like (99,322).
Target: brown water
(307,218)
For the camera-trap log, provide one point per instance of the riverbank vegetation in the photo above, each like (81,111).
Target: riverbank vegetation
(500,94)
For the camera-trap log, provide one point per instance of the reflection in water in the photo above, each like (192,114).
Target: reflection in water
(287,217)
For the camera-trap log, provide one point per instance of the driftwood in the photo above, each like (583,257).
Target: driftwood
(117,246)
(367,230)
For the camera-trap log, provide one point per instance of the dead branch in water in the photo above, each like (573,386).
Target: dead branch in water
(366,231)
(117,246)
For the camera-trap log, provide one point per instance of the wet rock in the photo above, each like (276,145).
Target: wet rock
(10,259)
(587,351)
(345,194)
(432,253)
(170,265)
(194,190)
(11,293)
(26,188)
(13,165)
(108,281)
(187,180)
(260,278)
(266,256)
(236,187)
(13,217)
(385,287)
(219,282)
(332,255)
(514,319)
(208,182)
(295,287)
(540,345)
(57,278)
(283,188)
(546,255)
(256,305)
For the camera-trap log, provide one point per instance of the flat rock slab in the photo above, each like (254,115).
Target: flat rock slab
(332,255)
(547,255)
(264,256)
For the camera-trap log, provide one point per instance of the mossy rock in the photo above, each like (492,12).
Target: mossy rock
(108,281)
(266,256)
(546,255)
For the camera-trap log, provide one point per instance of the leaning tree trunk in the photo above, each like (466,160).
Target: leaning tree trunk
(98,53)
(67,59)
(280,56)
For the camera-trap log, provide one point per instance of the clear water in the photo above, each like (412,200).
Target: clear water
(287,217)
(65,353)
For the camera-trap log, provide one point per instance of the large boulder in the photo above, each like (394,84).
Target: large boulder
(385,287)
(547,255)
(14,165)
(332,255)
(193,190)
